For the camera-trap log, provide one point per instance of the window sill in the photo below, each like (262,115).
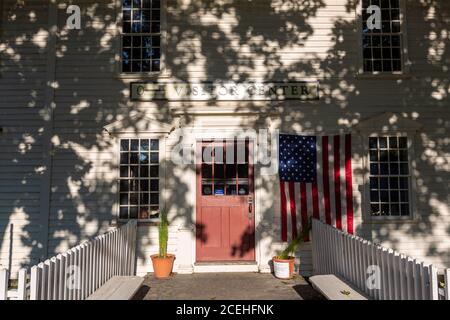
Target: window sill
(383,76)
(140,223)
(149,223)
(390,219)
(142,76)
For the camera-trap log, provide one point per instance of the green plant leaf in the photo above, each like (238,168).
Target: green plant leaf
(293,245)
(163,235)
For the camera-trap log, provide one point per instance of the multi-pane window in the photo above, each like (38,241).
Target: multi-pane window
(382,48)
(225,168)
(141,36)
(139,179)
(389,176)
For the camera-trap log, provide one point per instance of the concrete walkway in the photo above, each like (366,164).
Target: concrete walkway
(226,286)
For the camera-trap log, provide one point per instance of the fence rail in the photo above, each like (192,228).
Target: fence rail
(359,261)
(77,273)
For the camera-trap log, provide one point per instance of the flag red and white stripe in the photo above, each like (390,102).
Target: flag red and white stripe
(330,198)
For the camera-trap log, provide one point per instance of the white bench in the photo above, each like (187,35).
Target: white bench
(334,288)
(118,288)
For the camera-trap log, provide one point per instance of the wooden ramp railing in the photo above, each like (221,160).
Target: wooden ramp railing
(379,272)
(78,272)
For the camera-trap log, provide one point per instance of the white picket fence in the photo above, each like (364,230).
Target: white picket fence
(77,273)
(401,277)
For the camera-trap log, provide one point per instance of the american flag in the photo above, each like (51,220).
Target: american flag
(315,181)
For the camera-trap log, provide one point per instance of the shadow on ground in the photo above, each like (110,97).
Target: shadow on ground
(228,286)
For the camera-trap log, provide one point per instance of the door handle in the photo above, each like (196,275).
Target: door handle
(250,205)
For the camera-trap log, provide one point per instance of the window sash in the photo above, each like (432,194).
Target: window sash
(399,189)
(401,34)
(149,60)
(134,189)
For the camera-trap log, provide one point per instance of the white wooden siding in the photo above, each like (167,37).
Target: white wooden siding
(22,60)
(90,94)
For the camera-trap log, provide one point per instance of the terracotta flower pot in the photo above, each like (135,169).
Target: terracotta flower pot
(283,268)
(162,267)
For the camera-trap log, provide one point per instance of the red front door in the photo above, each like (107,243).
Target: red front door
(225,201)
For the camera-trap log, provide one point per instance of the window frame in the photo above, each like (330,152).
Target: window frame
(411,187)
(161,177)
(163,45)
(405,63)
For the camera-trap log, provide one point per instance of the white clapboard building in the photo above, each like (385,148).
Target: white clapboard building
(124,109)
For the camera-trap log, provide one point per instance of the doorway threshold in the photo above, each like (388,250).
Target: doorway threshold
(225,266)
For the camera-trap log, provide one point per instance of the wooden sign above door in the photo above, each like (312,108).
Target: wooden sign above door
(227,91)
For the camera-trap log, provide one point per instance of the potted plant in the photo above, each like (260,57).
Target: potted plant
(283,263)
(163,262)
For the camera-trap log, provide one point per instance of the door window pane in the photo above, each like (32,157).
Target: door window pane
(221,173)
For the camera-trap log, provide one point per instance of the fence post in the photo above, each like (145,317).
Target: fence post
(364,265)
(133,247)
(314,243)
(50,277)
(127,249)
(4,278)
(101,261)
(395,275)
(417,280)
(329,251)
(403,270)
(425,281)
(34,283)
(56,277)
(69,264)
(77,279)
(108,257)
(61,276)
(348,265)
(360,261)
(94,263)
(339,254)
(120,252)
(90,286)
(87,276)
(377,262)
(434,284)
(43,280)
(410,278)
(64,294)
(321,249)
(447,284)
(351,262)
(114,253)
(83,265)
(384,274)
(22,292)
